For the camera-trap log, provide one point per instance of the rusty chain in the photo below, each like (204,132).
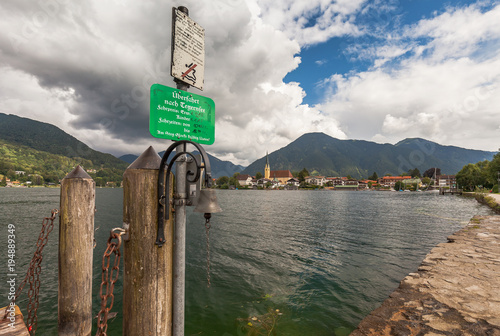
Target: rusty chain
(33,273)
(109,279)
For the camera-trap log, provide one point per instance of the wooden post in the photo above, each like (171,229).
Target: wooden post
(147,283)
(76,238)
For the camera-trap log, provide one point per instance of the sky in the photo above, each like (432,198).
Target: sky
(373,70)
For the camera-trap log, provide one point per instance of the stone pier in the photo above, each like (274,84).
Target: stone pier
(456,290)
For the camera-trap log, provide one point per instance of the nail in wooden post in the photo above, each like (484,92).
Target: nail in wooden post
(147,282)
(76,236)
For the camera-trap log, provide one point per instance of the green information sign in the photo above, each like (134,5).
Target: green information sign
(180,115)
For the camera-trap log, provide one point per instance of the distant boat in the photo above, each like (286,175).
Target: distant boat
(429,185)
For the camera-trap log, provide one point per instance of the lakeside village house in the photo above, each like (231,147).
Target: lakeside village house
(284,179)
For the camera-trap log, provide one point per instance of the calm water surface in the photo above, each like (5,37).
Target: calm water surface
(282,262)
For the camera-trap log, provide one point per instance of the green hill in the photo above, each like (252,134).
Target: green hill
(40,148)
(51,167)
(49,138)
(324,155)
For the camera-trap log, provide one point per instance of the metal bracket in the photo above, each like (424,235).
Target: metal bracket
(126,227)
(193,188)
(192,177)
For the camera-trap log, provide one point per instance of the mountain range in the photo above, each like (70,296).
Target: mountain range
(324,155)
(45,137)
(219,167)
(30,145)
(27,143)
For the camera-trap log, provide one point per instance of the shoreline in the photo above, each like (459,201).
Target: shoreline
(455,291)
(491,200)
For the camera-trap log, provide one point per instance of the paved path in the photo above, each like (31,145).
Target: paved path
(456,290)
(496,197)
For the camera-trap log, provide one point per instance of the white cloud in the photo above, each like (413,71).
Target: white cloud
(279,118)
(311,22)
(446,88)
(21,93)
(458,32)
(102,56)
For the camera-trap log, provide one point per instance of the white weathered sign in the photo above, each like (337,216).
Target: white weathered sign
(188,50)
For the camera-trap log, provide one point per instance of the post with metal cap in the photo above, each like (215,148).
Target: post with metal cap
(76,238)
(179,263)
(187,68)
(147,280)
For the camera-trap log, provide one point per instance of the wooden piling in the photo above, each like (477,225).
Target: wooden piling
(147,283)
(76,236)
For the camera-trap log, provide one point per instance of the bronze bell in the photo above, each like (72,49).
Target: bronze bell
(207,202)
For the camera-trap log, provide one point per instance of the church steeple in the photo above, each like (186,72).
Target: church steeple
(267,168)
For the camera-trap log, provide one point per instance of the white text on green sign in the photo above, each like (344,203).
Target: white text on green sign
(180,115)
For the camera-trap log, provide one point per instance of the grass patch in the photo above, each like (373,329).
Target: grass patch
(488,200)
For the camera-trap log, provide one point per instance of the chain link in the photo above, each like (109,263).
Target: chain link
(207,231)
(33,274)
(109,279)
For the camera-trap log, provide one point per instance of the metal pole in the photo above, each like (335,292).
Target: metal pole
(179,263)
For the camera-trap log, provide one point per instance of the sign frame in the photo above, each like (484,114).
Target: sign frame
(180,115)
(188,50)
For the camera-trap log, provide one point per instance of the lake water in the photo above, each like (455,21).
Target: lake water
(282,262)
